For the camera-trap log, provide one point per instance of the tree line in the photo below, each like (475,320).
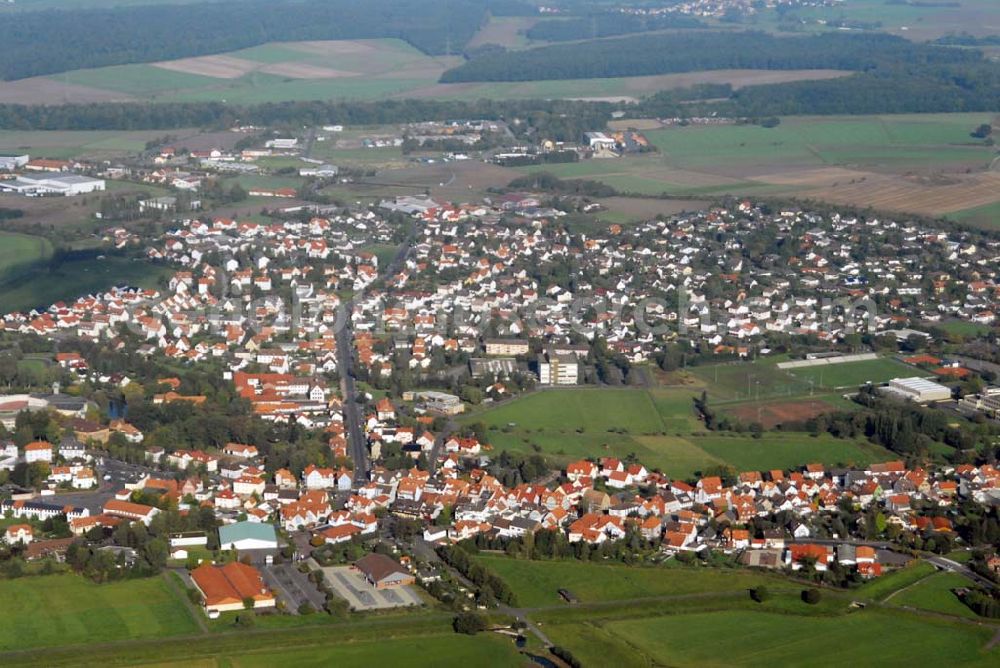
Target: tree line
(559,120)
(641,55)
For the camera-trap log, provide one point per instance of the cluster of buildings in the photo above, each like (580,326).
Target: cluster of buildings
(39,177)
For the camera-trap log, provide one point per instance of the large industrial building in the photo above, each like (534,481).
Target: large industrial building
(66,185)
(919,389)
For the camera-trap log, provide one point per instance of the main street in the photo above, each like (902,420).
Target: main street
(356,439)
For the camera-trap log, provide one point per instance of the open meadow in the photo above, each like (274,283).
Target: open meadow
(746,638)
(18,250)
(51,610)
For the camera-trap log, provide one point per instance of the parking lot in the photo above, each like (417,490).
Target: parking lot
(352,587)
(292,587)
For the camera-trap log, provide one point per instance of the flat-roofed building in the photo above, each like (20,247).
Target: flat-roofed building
(919,389)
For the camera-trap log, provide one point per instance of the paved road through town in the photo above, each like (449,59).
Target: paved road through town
(357,441)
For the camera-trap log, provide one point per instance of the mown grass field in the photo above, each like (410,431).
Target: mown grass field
(53,610)
(658,426)
(537,583)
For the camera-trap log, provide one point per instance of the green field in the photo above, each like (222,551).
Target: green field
(871,141)
(813,156)
(487,650)
(45,611)
(68,144)
(661,430)
(537,583)
(75,278)
(18,250)
(854,374)
(983,216)
(742,638)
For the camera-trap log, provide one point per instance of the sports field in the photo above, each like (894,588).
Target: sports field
(52,610)
(854,374)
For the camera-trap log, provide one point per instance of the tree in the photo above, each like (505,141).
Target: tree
(811,596)
(469,623)
(982,132)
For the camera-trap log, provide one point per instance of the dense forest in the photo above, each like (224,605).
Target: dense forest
(607,25)
(933,90)
(698,51)
(557,119)
(47,42)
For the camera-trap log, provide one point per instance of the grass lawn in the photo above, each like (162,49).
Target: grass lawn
(486,650)
(74,279)
(566,410)
(744,638)
(887,585)
(52,610)
(536,583)
(935,594)
(384,252)
(854,374)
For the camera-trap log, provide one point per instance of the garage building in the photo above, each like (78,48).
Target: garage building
(383,572)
